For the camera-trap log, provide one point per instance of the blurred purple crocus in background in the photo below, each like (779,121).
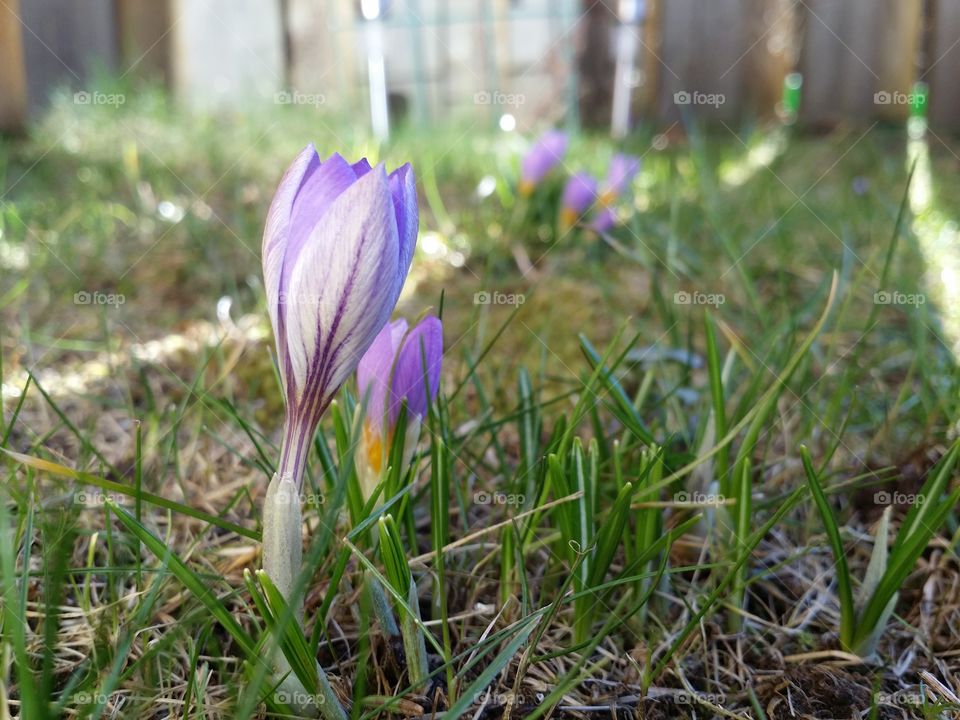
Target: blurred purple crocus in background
(540,159)
(579,194)
(622,169)
(337,246)
(604,220)
(401,366)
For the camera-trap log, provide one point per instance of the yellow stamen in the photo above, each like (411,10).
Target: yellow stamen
(373,444)
(568,217)
(526,188)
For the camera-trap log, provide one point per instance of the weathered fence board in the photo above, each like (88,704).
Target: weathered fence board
(143,29)
(703,46)
(772,54)
(898,53)
(481,58)
(321,50)
(721,59)
(227,52)
(858,58)
(716,59)
(65,43)
(13,78)
(943,65)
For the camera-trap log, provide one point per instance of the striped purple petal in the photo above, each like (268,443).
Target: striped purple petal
(321,185)
(404,192)
(343,289)
(277,230)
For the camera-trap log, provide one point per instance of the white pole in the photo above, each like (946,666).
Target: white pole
(630,15)
(376,69)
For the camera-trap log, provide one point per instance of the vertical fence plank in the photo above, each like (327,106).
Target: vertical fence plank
(704,49)
(595,61)
(649,65)
(13,78)
(324,51)
(898,51)
(65,44)
(543,61)
(859,58)
(227,52)
(144,28)
(943,67)
(772,53)
(832,70)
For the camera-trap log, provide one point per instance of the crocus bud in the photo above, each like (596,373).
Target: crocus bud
(546,152)
(400,367)
(579,194)
(336,250)
(622,169)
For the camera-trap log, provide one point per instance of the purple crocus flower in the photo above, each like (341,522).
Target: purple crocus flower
(604,220)
(401,366)
(579,194)
(540,159)
(337,246)
(622,169)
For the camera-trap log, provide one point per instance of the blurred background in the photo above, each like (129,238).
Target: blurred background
(512,63)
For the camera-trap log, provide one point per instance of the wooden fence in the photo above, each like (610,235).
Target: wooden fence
(536,60)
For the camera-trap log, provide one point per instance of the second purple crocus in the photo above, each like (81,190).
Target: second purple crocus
(622,170)
(579,194)
(604,221)
(401,366)
(540,159)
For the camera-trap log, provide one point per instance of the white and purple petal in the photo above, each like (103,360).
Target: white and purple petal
(342,290)
(404,192)
(277,229)
(322,184)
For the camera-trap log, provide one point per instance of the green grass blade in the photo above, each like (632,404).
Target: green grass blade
(193,582)
(502,659)
(713,597)
(130,491)
(901,563)
(844,586)
(918,517)
(15,614)
(621,407)
(715,372)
